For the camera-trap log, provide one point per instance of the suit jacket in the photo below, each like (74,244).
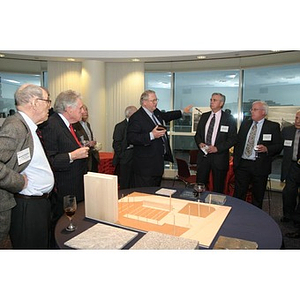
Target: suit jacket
(148,155)
(59,142)
(288,135)
(122,154)
(93,159)
(270,137)
(15,136)
(226,138)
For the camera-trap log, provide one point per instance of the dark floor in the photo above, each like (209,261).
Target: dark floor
(275,212)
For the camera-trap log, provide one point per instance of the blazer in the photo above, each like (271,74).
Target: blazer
(148,155)
(93,159)
(288,137)
(270,137)
(226,138)
(59,142)
(15,136)
(120,145)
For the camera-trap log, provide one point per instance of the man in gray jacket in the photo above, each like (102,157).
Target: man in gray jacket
(25,174)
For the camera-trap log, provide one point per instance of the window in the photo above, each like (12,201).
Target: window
(9,83)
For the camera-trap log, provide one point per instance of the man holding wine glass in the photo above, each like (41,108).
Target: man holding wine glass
(26,176)
(67,156)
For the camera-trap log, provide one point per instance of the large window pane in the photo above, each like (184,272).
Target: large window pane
(9,82)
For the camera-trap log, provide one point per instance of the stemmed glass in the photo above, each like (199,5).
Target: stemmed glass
(70,207)
(198,189)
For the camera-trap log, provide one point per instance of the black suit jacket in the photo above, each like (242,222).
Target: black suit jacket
(274,145)
(59,142)
(225,139)
(148,155)
(122,154)
(288,137)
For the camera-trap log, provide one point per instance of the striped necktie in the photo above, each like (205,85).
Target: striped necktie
(210,130)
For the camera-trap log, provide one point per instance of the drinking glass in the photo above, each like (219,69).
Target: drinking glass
(70,207)
(198,189)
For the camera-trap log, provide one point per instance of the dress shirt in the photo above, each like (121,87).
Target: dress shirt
(38,172)
(86,129)
(259,127)
(150,114)
(218,115)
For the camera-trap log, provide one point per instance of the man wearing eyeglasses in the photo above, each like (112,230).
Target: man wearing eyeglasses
(147,133)
(259,141)
(26,178)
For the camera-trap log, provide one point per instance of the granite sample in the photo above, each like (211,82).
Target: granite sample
(159,241)
(102,236)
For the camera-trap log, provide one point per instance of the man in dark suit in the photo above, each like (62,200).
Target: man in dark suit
(215,141)
(68,158)
(85,135)
(290,169)
(123,155)
(151,143)
(259,141)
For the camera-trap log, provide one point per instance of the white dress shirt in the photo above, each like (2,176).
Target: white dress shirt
(38,172)
(218,115)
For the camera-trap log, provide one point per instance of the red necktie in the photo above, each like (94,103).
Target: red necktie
(74,135)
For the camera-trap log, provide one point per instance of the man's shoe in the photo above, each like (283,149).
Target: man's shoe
(293,235)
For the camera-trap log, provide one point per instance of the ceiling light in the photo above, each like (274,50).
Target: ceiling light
(201,56)
(135,59)
(70,59)
(2,55)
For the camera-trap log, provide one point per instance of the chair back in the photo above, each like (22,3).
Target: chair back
(183,168)
(193,156)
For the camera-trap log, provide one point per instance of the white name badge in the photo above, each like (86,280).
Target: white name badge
(23,156)
(288,143)
(224,128)
(267,137)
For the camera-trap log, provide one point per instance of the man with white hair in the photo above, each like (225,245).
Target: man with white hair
(259,141)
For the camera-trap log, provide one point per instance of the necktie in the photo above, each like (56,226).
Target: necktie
(156,123)
(251,139)
(74,135)
(296,145)
(210,130)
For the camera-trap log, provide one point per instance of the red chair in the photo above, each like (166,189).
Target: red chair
(184,173)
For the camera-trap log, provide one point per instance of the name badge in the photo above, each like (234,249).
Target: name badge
(23,156)
(267,137)
(224,128)
(288,143)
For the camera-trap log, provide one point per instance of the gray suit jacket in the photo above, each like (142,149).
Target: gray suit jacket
(14,137)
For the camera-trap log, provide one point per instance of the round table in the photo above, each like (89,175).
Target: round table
(244,221)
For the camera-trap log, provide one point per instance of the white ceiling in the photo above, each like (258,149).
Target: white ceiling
(126,56)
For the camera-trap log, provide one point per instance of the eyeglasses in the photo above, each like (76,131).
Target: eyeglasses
(153,100)
(255,109)
(47,100)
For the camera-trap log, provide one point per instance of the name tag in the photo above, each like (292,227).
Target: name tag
(267,137)
(23,156)
(224,128)
(288,143)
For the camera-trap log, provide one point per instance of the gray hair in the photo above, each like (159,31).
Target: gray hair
(145,96)
(66,99)
(129,111)
(265,106)
(25,92)
(223,98)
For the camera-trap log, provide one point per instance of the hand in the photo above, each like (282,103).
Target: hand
(92,143)
(187,109)
(26,181)
(80,153)
(261,148)
(158,133)
(212,149)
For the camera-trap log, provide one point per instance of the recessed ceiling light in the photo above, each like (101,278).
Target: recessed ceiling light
(201,56)
(2,55)
(135,59)
(70,59)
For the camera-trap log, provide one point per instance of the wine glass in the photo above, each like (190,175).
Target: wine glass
(198,189)
(70,207)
